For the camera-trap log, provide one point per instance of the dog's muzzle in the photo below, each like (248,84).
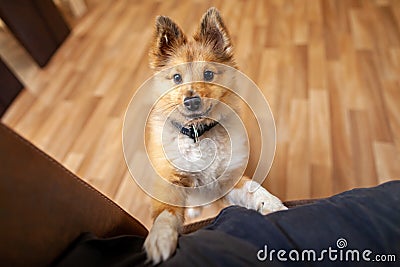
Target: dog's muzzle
(192,103)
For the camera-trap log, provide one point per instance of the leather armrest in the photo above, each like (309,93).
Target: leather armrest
(44,207)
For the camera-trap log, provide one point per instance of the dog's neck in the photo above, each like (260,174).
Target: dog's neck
(194,131)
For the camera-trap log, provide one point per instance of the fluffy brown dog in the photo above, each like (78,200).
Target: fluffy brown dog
(189,114)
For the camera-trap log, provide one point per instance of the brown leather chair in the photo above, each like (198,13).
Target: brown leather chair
(44,207)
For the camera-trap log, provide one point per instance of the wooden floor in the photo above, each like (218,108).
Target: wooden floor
(330,70)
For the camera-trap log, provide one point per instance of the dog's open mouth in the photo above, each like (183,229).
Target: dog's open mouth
(195,129)
(197,115)
(196,123)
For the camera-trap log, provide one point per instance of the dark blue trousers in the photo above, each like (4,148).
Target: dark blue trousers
(360,227)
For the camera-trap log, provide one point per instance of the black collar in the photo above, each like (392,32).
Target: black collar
(193,131)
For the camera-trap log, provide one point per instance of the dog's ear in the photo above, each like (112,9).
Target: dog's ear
(167,37)
(212,31)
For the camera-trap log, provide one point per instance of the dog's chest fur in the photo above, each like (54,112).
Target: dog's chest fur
(205,161)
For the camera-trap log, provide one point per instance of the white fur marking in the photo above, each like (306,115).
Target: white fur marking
(261,200)
(193,212)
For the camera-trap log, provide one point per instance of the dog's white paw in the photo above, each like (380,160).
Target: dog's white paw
(260,200)
(161,241)
(264,202)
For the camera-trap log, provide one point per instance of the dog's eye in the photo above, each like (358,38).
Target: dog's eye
(177,78)
(208,75)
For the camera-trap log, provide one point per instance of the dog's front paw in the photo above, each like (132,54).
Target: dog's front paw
(161,242)
(162,239)
(265,202)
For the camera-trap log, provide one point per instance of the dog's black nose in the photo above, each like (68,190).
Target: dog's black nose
(192,103)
